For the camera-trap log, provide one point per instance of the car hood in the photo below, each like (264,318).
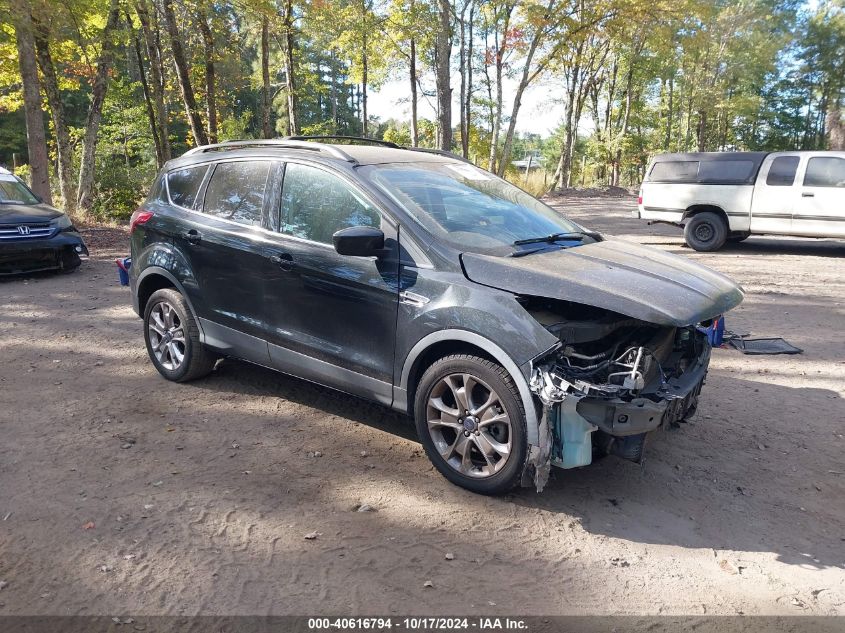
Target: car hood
(637,281)
(27,213)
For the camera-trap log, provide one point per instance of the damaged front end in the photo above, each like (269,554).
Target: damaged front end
(611,381)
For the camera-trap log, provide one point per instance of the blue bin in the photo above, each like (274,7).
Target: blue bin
(123,266)
(716,331)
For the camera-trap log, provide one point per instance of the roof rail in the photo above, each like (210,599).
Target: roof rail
(357,139)
(275,142)
(440,152)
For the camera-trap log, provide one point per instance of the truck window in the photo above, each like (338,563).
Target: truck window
(674,171)
(825,171)
(725,171)
(782,171)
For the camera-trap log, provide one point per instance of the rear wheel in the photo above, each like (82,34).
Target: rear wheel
(706,231)
(172,338)
(471,422)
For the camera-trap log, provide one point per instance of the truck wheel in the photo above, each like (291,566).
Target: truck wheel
(706,232)
(471,422)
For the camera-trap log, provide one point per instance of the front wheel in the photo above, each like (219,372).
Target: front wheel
(172,338)
(706,231)
(471,422)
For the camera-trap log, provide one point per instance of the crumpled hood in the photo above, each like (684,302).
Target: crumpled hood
(27,213)
(637,281)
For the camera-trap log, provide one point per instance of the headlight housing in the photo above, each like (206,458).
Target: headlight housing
(62,223)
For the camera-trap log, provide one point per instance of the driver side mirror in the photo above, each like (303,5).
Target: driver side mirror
(359,241)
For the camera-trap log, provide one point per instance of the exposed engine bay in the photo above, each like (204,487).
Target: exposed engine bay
(611,381)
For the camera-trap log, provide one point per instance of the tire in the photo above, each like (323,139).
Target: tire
(484,454)
(167,312)
(706,232)
(736,239)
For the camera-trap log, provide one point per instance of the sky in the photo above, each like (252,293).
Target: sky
(542,109)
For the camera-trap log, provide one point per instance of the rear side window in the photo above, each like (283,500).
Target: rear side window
(675,171)
(316,204)
(236,191)
(825,171)
(782,171)
(725,171)
(183,185)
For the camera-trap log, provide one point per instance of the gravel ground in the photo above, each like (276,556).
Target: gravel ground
(121,493)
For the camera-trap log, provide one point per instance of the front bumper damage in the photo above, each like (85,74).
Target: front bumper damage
(581,418)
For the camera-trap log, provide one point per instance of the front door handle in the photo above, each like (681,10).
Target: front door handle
(193,236)
(807,194)
(283,261)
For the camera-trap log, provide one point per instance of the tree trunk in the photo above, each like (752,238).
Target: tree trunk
(85,192)
(156,79)
(266,129)
(36,140)
(468,96)
(64,149)
(364,69)
(415,132)
(835,127)
(293,119)
(210,77)
(462,71)
(184,75)
(147,95)
(669,114)
(443,49)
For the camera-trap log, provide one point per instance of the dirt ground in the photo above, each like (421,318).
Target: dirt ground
(122,493)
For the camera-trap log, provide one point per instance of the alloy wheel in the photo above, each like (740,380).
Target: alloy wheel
(469,425)
(167,335)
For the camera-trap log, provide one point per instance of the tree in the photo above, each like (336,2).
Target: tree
(35,136)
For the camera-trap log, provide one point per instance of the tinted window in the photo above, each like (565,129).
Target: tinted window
(725,170)
(675,171)
(236,191)
(316,204)
(782,171)
(183,185)
(827,171)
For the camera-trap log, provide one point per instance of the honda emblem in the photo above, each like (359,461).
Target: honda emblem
(23,230)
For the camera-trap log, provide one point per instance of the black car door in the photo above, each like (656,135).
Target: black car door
(331,318)
(227,251)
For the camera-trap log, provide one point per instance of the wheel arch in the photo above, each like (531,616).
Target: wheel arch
(155,278)
(447,342)
(695,209)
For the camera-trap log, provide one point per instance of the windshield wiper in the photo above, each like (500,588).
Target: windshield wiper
(554,237)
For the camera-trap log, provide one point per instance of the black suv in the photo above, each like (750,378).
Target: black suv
(516,338)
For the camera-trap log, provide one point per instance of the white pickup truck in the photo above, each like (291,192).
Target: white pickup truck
(727,196)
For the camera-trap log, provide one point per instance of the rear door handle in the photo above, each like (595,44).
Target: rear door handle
(807,194)
(283,261)
(193,236)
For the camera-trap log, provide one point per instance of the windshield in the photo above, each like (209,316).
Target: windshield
(13,191)
(469,208)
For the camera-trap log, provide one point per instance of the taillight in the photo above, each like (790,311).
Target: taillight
(139,217)
(640,198)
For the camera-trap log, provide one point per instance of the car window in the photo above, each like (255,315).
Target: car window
(316,204)
(236,191)
(13,191)
(825,171)
(674,171)
(782,171)
(725,170)
(467,207)
(183,185)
